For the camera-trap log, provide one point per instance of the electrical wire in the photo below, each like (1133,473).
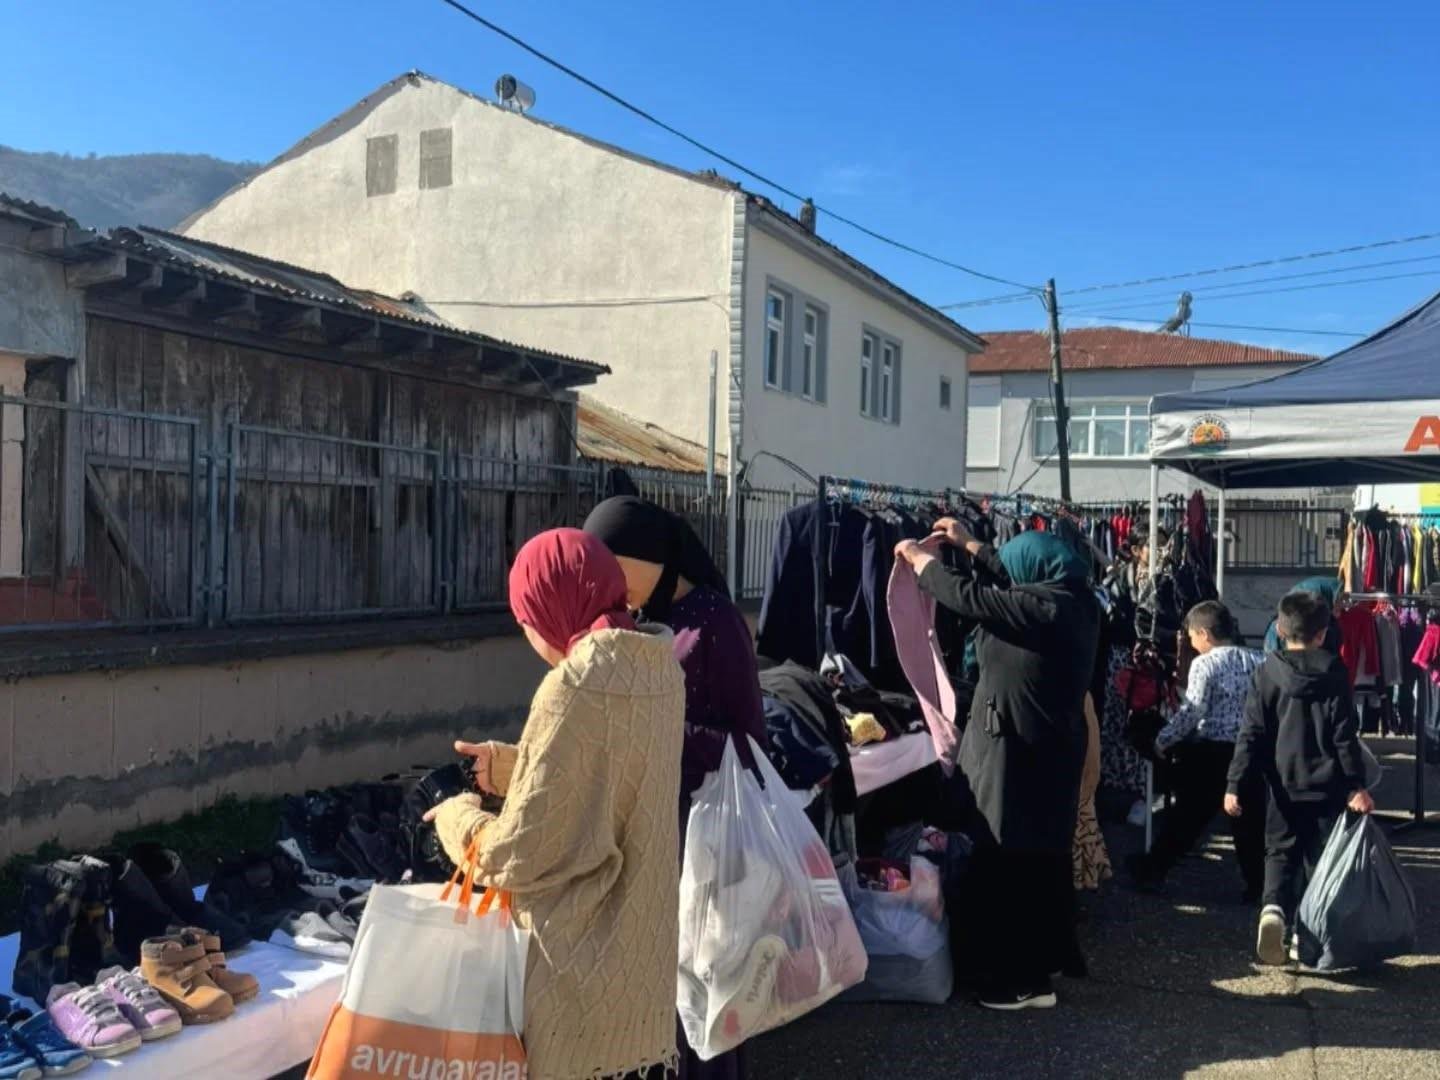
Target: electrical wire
(728,160)
(1237,326)
(1009,298)
(1287,289)
(1170,296)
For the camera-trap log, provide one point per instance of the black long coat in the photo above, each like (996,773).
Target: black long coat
(1024,747)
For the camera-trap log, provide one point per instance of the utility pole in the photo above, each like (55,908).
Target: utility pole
(1057,390)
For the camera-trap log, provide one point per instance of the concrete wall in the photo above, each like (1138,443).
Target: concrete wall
(84,755)
(1253,599)
(1090,480)
(927,447)
(542,238)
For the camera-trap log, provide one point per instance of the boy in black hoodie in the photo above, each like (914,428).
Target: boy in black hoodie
(1301,735)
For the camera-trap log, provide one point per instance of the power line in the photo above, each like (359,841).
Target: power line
(1262,280)
(1009,298)
(712,152)
(1239,326)
(1292,288)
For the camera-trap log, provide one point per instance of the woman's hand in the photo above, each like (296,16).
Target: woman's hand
(1362,802)
(458,821)
(483,765)
(918,553)
(953,532)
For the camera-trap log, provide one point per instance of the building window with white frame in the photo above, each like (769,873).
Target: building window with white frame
(810,346)
(1098,429)
(868,347)
(776,317)
(889,369)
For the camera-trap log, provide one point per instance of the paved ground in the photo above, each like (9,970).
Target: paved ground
(1173,994)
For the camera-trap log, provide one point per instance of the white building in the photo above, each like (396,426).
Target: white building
(1110,376)
(540,234)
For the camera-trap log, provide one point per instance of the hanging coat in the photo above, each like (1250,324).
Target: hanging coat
(1023,750)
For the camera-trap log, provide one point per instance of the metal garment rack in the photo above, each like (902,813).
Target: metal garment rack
(1419,818)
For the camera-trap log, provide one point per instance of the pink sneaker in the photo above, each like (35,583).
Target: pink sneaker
(140,1003)
(89,1019)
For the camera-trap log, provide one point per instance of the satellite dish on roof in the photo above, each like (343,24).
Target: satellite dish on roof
(514,94)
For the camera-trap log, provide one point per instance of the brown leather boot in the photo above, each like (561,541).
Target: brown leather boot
(180,971)
(240,986)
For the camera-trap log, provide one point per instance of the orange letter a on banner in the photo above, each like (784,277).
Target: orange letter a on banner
(1426,433)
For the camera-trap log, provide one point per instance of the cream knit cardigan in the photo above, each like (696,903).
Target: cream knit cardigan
(588,844)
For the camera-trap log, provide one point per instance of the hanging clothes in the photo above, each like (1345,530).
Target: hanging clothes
(1359,646)
(912,614)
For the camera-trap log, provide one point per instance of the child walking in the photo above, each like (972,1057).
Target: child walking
(1199,742)
(1300,734)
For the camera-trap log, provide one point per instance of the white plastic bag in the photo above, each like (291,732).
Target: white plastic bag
(907,938)
(433,989)
(766,934)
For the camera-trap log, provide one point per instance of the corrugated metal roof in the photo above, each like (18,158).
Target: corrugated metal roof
(294,282)
(607,434)
(1103,348)
(36,211)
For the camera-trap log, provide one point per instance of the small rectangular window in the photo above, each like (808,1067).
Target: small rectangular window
(775,321)
(887,382)
(810,354)
(944,392)
(382,157)
(867,374)
(435,146)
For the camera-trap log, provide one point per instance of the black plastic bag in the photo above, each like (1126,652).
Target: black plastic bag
(1359,909)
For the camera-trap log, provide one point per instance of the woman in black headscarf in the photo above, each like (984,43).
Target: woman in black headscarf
(672,579)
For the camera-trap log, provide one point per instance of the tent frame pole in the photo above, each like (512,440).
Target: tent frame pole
(1220,549)
(1153,551)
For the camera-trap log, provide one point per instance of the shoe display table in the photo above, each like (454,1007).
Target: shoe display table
(878,764)
(277,1031)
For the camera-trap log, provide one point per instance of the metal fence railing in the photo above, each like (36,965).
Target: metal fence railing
(760,513)
(1284,537)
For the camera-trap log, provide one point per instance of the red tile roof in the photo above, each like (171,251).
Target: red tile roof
(1100,348)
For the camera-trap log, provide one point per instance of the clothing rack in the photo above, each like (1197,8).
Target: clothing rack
(1419,818)
(868,490)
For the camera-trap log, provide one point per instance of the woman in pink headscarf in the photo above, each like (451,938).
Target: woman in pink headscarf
(586,841)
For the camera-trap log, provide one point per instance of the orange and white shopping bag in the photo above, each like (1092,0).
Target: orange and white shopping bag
(435,989)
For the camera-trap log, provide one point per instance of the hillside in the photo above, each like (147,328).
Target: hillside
(131,189)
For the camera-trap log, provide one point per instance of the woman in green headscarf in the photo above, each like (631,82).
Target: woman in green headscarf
(1328,589)
(1023,750)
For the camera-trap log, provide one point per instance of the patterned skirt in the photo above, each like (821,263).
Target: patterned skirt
(1121,768)
(1089,858)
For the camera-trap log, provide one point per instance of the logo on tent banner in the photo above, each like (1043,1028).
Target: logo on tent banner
(1208,432)
(1425,434)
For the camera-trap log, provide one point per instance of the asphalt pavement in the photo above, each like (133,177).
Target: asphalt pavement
(1173,993)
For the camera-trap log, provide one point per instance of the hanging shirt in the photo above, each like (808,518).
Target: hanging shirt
(1214,705)
(1359,646)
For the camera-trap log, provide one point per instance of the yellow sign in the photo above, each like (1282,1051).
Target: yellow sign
(1430,496)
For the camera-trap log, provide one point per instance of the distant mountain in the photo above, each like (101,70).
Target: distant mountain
(131,189)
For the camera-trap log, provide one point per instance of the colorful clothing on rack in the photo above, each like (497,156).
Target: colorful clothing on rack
(1360,645)
(1121,768)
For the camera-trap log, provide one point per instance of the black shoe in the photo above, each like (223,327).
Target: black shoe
(1039,996)
(257,891)
(1142,873)
(374,852)
(315,822)
(172,882)
(49,910)
(92,945)
(140,912)
(419,844)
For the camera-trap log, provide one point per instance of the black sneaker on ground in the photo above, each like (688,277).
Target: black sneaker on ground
(1039,996)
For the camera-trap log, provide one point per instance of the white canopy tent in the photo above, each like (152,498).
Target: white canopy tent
(1368,414)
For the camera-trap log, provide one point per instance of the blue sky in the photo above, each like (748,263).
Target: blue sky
(1094,142)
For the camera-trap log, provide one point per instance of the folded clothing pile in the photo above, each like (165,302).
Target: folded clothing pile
(900,913)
